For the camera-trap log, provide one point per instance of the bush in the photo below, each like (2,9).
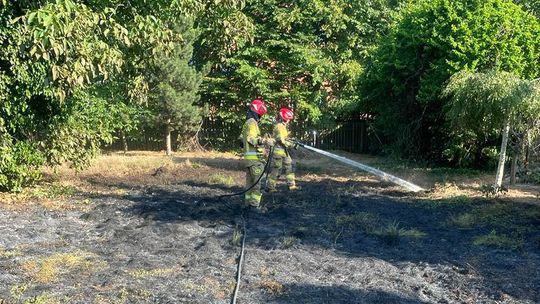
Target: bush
(431,41)
(19,166)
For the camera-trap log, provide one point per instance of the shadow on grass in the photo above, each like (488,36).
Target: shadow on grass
(297,293)
(311,216)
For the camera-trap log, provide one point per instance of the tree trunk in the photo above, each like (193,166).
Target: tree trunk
(527,150)
(513,169)
(502,156)
(168,138)
(124,141)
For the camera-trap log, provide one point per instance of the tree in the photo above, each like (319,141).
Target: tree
(305,54)
(174,90)
(53,55)
(492,101)
(430,41)
(532,6)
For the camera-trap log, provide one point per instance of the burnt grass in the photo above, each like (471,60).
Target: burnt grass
(331,242)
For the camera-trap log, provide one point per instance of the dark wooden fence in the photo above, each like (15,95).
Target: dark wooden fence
(351,136)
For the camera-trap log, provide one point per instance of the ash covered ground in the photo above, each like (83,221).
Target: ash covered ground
(343,238)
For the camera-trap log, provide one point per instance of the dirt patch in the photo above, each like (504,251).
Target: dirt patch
(150,235)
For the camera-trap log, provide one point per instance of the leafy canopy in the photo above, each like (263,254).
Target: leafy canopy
(430,41)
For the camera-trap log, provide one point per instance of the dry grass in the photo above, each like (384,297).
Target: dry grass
(113,174)
(158,272)
(49,269)
(217,290)
(221,179)
(443,183)
(268,283)
(44,298)
(9,253)
(272,286)
(116,173)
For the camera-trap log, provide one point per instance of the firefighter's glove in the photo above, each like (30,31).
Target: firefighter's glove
(293,143)
(270,142)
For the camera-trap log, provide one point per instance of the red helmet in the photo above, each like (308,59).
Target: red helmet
(258,107)
(286,114)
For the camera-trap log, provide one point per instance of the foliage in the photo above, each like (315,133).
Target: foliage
(490,190)
(174,89)
(60,61)
(430,41)
(19,163)
(306,54)
(481,103)
(532,6)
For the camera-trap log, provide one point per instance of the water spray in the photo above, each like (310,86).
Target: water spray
(383,175)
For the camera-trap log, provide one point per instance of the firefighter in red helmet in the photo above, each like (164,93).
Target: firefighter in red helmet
(282,160)
(253,145)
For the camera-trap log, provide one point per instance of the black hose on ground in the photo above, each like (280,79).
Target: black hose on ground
(244,225)
(240,259)
(265,170)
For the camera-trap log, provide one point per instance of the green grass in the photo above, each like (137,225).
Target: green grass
(503,241)
(465,220)
(365,220)
(53,190)
(505,215)
(530,178)
(236,237)
(288,242)
(221,179)
(458,200)
(392,233)
(191,164)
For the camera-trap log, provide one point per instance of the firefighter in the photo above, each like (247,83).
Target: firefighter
(282,158)
(253,145)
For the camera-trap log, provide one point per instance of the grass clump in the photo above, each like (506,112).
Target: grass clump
(221,179)
(17,291)
(392,233)
(465,220)
(6,253)
(365,220)
(47,270)
(191,164)
(502,215)
(43,299)
(288,242)
(236,237)
(143,273)
(493,239)
(489,190)
(272,286)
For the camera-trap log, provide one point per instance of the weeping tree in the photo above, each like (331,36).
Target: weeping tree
(492,103)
